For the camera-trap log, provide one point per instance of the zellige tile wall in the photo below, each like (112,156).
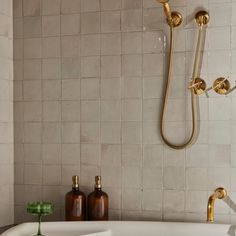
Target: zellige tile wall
(6,115)
(88,86)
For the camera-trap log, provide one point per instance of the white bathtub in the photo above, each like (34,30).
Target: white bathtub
(123,228)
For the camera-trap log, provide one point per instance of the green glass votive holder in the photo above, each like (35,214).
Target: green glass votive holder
(40,209)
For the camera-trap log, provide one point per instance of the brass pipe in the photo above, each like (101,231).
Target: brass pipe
(219,193)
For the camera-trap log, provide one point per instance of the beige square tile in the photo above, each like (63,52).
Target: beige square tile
(18,8)
(110,21)
(131,132)
(174,178)
(132,65)
(90,5)
(152,64)
(110,110)
(70,154)
(132,110)
(70,6)
(131,199)
(90,22)
(32,48)
(132,20)
(52,111)
(151,108)
(51,7)
(152,87)
(152,177)
(111,44)
(111,66)
(32,27)
(90,132)
(111,4)
(111,177)
(174,200)
(111,155)
(32,90)
(18,91)
(90,154)
(32,153)
(196,178)
(18,28)
(51,90)
(90,45)
(70,24)
(70,68)
(51,69)
(131,155)
(110,89)
(51,174)
(132,4)
(71,89)
(90,66)
(18,52)
(153,42)
(131,42)
(90,88)
(132,87)
(70,46)
(51,47)
(71,132)
(51,153)
(51,25)
(131,176)
(153,19)
(51,132)
(18,70)
(152,199)
(70,111)
(90,111)
(33,174)
(32,111)
(31,7)
(110,132)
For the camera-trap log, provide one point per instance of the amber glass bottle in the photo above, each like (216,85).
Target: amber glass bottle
(98,202)
(75,202)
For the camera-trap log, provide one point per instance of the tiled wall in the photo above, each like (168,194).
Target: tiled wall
(6,114)
(88,89)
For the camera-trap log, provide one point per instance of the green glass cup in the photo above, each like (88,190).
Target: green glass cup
(40,209)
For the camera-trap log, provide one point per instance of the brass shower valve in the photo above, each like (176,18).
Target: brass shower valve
(221,86)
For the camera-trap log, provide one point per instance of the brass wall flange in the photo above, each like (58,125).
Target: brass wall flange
(176,19)
(202,18)
(221,86)
(198,85)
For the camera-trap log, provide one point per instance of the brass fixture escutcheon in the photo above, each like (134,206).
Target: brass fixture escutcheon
(202,18)
(198,85)
(177,19)
(221,86)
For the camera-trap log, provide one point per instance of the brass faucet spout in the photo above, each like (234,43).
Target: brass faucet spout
(219,193)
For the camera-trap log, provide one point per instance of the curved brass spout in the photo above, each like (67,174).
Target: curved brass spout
(219,193)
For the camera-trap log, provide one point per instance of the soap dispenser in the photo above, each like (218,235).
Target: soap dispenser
(75,202)
(98,202)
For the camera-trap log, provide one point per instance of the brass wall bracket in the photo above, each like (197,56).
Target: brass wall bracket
(202,18)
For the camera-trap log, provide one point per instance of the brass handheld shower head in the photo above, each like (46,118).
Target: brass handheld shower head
(174,19)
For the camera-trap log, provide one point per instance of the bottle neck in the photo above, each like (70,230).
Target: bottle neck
(98,188)
(75,188)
